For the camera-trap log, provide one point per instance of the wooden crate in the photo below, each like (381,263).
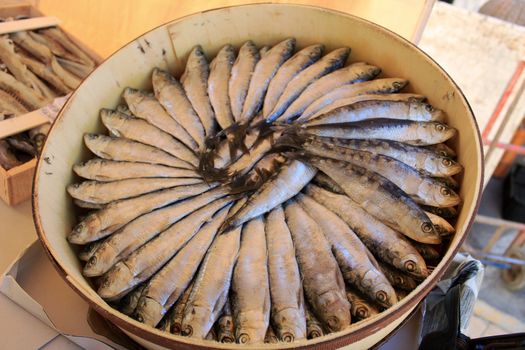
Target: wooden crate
(16,183)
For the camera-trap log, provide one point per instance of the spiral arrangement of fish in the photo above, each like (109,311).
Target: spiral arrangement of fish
(267,196)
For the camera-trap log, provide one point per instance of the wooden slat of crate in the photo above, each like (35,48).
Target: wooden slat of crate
(16,183)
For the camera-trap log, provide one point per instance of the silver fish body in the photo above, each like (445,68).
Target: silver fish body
(287,310)
(142,229)
(375,86)
(166,286)
(366,107)
(218,81)
(241,75)
(327,64)
(419,158)
(149,108)
(149,258)
(109,170)
(106,192)
(288,70)
(384,242)
(104,222)
(170,93)
(275,191)
(121,125)
(263,73)
(121,149)
(211,285)
(381,198)
(250,290)
(195,83)
(412,132)
(350,253)
(323,284)
(351,74)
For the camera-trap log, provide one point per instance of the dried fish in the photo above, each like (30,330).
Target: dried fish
(351,74)
(56,34)
(241,75)
(225,327)
(421,188)
(211,285)
(106,221)
(148,108)
(419,158)
(287,309)
(376,86)
(46,73)
(121,149)
(106,192)
(288,70)
(29,97)
(108,170)
(408,131)
(170,93)
(278,189)
(327,64)
(218,81)
(169,283)
(195,83)
(397,278)
(350,253)
(250,290)
(313,326)
(263,73)
(323,283)
(121,125)
(387,244)
(380,198)
(360,308)
(366,107)
(149,258)
(142,229)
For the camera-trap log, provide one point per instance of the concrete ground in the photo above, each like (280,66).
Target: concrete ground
(500,310)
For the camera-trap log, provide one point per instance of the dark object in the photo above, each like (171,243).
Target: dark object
(514,194)
(451,338)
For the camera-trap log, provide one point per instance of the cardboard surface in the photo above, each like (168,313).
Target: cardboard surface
(40,311)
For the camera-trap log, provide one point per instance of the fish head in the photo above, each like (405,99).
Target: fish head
(443,131)
(384,294)
(448,167)
(82,231)
(251,330)
(289,324)
(115,283)
(414,265)
(397,85)
(334,310)
(149,311)
(440,195)
(196,322)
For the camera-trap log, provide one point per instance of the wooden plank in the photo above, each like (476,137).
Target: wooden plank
(28,24)
(13,126)
(407,17)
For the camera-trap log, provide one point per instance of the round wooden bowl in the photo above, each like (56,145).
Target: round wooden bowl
(167,47)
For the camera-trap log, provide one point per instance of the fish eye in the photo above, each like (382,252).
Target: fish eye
(426,227)
(444,191)
(440,127)
(446,162)
(429,108)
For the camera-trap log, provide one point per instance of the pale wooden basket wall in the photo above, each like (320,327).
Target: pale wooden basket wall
(167,47)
